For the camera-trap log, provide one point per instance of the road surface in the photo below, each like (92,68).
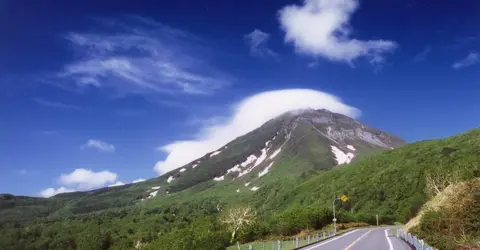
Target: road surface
(363,239)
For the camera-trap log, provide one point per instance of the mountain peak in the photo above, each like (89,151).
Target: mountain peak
(296,141)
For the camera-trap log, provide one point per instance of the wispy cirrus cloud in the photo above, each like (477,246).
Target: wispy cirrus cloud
(471,59)
(140,56)
(59,105)
(257,41)
(321,28)
(99,145)
(422,56)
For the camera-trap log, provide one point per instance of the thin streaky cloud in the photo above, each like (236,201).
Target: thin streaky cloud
(53,104)
(471,59)
(422,56)
(140,56)
(99,145)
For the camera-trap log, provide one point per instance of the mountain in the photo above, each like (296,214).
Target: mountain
(295,143)
(287,170)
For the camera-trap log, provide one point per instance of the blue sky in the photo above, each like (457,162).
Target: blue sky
(94,94)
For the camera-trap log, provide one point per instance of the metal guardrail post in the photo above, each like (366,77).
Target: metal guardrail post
(413,240)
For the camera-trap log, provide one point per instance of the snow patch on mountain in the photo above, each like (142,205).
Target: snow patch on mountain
(262,157)
(194,165)
(183,170)
(265,171)
(153,194)
(221,178)
(249,160)
(215,153)
(155,188)
(238,190)
(254,188)
(340,156)
(351,147)
(275,153)
(170,179)
(246,184)
(236,168)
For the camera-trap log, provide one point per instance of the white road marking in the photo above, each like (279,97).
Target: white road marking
(388,239)
(357,240)
(328,241)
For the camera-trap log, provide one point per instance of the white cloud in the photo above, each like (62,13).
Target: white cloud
(321,28)
(141,56)
(49,192)
(100,145)
(118,183)
(257,41)
(471,59)
(138,180)
(87,179)
(247,115)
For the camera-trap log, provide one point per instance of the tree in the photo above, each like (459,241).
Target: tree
(437,182)
(238,218)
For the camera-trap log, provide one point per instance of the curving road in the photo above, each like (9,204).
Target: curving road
(363,239)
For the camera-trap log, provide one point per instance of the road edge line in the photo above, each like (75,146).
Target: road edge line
(327,241)
(388,239)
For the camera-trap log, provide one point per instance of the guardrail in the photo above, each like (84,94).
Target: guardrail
(292,243)
(413,240)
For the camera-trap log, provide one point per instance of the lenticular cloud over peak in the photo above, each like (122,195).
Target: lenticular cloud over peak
(247,115)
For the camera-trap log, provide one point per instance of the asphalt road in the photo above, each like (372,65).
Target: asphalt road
(363,239)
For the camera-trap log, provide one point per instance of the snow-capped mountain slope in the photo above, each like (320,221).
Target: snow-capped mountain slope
(296,141)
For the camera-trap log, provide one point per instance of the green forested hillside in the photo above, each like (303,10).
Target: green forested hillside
(391,183)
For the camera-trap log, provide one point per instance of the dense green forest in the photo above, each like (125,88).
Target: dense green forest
(392,184)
